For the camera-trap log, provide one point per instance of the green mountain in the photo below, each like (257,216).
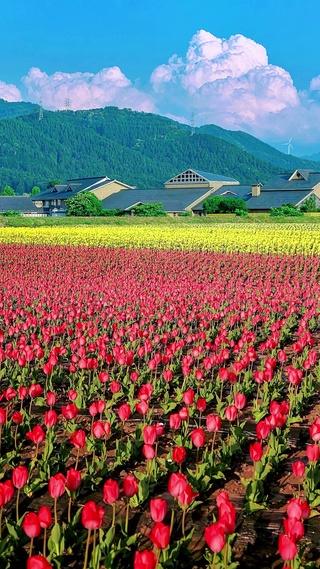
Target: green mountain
(10,110)
(259,149)
(141,149)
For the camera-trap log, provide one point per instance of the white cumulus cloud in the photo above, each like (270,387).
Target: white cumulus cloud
(9,92)
(85,90)
(225,81)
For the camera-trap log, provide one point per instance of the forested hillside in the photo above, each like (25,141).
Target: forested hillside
(137,148)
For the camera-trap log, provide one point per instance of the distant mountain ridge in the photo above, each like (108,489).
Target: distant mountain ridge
(140,149)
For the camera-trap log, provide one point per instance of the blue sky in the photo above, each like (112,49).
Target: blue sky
(140,36)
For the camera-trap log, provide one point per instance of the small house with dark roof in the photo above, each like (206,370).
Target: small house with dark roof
(53,200)
(20,204)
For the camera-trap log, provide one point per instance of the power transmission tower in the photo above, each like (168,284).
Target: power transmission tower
(192,125)
(67,104)
(40,117)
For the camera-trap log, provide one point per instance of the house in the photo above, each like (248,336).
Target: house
(20,204)
(293,188)
(180,194)
(53,200)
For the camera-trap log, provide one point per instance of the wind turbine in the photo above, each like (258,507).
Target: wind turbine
(288,145)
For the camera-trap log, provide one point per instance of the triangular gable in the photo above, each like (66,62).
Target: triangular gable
(188,176)
(299,175)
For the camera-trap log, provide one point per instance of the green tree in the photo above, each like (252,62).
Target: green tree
(53,183)
(309,205)
(149,210)
(7,191)
(220,204)
(35,190)
(84,204)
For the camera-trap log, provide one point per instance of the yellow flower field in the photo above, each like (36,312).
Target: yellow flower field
(262,238)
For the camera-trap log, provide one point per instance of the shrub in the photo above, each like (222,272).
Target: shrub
(309,205)
(288,210)
(241,212)
(11,213)
(84,204)
(149,210)
(111,212)
(220,204)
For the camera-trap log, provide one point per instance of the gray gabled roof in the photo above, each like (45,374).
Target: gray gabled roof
(269,199)
(21,204)
(237,191)
(283,182)
(214,177)
(176,200)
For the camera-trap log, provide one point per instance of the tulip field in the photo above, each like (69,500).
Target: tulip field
(160,398)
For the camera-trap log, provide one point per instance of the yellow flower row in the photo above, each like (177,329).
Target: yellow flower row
(263,238)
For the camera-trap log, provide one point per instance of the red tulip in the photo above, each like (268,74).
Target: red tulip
(293,528)
(50,418)
(298,508)
(98,429)
(256,451)
(110,491)
(198,437)
(263,430)
(31,525)
(114,387)
(148,452)
(179,454)
(175,421)
(72,395)
(142,408)
(37,435)
(313,453)
(78,439)
(130,486)
(57,485)
(213,423)
(149,434)
(6,492)
(70,411)
(298,468)
(160,535)
(231,412)
(51,398)
(158,509)
(315,432)
(176,484)
(17,418)
(92,515)
(215,537)
(187,496)
(45,517)
(188,397)
(38,562)
(73,480)
(201,405)
(287,547)
(240,400)
(124,412)
(20,476)
(145,560)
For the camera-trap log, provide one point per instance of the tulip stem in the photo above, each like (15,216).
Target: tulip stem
(77,459)
(127,517)
(55,511)
(45,543)
(15,436)
(94,538)
(69,510)
(17,504)
(213,561)
(113,514)
(213,441)
(183,521)
(87,550)
(31,547)
(172,521)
